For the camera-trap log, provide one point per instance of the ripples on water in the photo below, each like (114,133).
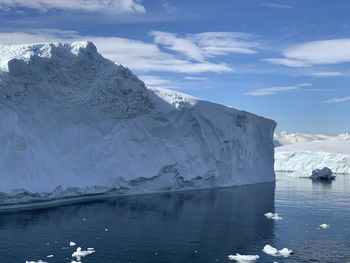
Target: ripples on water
(198,226)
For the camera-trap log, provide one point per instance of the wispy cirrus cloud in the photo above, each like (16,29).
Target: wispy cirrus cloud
(206,45)
(115,6)
(323,52)
(138,55)
(276,5)
(276,89)
(338,100)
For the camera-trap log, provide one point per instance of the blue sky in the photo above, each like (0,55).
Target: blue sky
(286,60)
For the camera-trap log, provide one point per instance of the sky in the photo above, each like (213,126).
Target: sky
(288,60)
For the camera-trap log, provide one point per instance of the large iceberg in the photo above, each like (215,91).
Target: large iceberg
(74,123)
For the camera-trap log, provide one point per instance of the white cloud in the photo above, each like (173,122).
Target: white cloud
(196,78)
(275,5)
(338,100)
(334,51)
(137,55)
(277,89)
(206,45)
(116,6)
(326,74)
(179,44)
(152,81)
(270,90)
(286,62)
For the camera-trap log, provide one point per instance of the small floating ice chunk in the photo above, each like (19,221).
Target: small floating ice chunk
(285,252)
(243,258)
(90,249)
(72,244)
(39,261)
(82,253)
(49,256)
(273,216)
(324,226)
(106,229)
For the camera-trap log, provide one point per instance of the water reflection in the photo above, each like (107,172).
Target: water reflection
(198,226)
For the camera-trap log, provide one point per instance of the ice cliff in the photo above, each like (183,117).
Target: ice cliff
(74,123)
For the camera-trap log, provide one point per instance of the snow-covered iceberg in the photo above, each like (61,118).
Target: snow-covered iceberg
(75,123)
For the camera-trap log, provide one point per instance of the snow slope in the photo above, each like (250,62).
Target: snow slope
(304,157)
(74,123)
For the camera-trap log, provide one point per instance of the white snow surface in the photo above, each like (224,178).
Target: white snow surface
(304,157)
(74,123)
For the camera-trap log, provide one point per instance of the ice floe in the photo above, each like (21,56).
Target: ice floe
(285,252)
(273,216)
(39,261)
(324,226)
(72,244)
(82,253)
(243,258)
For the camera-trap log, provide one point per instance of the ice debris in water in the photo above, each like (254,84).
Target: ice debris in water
(324,226)
(39,261)
(243,258)
(285,252)
(273,216)
(82,253)
(72,244)
(49,256)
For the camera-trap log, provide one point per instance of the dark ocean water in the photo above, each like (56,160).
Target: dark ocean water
(197,226)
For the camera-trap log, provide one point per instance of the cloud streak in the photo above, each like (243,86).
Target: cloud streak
(338,100)
(275,5)
(275,90)
(137,55)
(114,6)
(324,52)
(206,45)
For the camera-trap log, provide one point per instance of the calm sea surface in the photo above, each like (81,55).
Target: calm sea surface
(199,226)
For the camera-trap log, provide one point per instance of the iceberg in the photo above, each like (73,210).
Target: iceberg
(304,157)
(74,123)
(322,174)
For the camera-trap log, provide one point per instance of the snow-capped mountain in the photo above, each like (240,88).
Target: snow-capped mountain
(75,123)
(285,138)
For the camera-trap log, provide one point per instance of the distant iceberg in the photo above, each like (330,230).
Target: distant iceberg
(304,157)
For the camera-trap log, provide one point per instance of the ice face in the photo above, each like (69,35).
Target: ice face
(75,123)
